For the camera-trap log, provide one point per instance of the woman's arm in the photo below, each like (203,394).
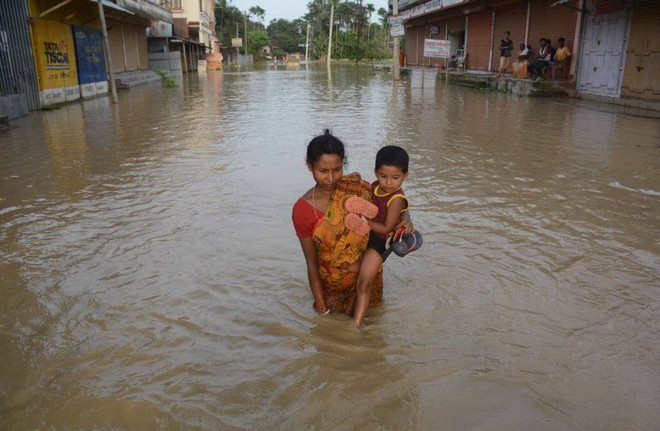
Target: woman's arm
(315,282)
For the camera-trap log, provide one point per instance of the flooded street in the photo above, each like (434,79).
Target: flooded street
(152,279)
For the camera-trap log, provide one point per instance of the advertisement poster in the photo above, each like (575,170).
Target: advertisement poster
(56,62)
(437,48)
(432,5)
(90,60)
(396,26)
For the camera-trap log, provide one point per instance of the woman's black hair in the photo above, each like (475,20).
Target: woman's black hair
(326,143)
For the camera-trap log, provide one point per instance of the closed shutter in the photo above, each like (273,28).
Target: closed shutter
(411,46)
(640,76)
(419,41)
(130,45)
(513,20)
(143,56)
(552,23)
(116,46)
(478,40)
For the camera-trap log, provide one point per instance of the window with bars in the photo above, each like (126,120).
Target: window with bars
(171,4)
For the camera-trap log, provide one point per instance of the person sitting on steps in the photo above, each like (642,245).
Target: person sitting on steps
(537,67)
(562,55)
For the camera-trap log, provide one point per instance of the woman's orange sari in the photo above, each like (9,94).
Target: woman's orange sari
(338,247)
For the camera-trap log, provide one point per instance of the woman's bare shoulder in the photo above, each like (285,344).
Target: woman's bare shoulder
(307,196)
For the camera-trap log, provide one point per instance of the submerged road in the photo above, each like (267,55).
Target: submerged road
(151,277)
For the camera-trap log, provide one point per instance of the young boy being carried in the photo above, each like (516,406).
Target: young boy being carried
(387,195)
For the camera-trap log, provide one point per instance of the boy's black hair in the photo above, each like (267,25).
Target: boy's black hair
(326,143)
(391,155)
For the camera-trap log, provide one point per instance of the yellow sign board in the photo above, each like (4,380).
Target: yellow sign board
(56,62)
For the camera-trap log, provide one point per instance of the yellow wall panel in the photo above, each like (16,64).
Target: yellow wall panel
(55,56)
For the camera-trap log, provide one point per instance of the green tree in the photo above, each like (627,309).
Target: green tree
(287,35)
(256,40)
(257,12)
(228,22)
(353,31)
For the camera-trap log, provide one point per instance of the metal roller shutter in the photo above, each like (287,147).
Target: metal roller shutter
(551,22)
(478,40)
(143,56)
(514,20)
(411,46)
(116,46)
(130,47)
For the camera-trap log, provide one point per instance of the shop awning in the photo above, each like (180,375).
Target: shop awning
(111,5)
(106,3)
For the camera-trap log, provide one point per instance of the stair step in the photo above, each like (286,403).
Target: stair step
(134,78)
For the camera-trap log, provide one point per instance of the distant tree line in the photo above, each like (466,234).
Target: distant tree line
(354,36)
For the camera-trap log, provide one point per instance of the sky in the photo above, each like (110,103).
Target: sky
(275,9)
(285,9)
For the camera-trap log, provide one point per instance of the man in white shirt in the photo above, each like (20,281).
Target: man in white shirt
(538,66)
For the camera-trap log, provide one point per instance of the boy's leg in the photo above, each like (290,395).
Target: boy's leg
(371,262)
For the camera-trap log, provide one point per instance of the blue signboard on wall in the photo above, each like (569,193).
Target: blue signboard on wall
(90,58)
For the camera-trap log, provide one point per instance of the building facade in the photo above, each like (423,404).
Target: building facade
(195,20)
(615,43)
(66,58)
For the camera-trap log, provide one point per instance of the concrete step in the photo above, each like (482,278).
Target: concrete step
(134,78)
(568,85)
(467,80)
(548,92)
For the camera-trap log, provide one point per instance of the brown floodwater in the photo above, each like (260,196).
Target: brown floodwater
(151,277)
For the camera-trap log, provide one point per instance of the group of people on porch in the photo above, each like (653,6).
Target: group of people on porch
(532,66)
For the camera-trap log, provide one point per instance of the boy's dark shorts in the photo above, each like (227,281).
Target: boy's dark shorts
(377,243)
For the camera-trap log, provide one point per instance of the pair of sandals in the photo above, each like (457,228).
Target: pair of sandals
(398,241)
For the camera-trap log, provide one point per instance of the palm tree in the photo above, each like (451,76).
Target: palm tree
(382,14)
(258,12)
(370,9)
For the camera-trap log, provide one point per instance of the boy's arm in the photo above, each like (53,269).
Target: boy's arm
(315,282)
(406,222)
(393,212)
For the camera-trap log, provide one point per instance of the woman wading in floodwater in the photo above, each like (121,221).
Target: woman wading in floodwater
(331,251)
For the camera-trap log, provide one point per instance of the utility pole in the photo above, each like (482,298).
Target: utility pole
(395,57)
(245,27)
(238,52)
(332,19)
(307,44)
(108,58)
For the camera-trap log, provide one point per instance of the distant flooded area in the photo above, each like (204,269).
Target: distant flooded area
(152,279)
